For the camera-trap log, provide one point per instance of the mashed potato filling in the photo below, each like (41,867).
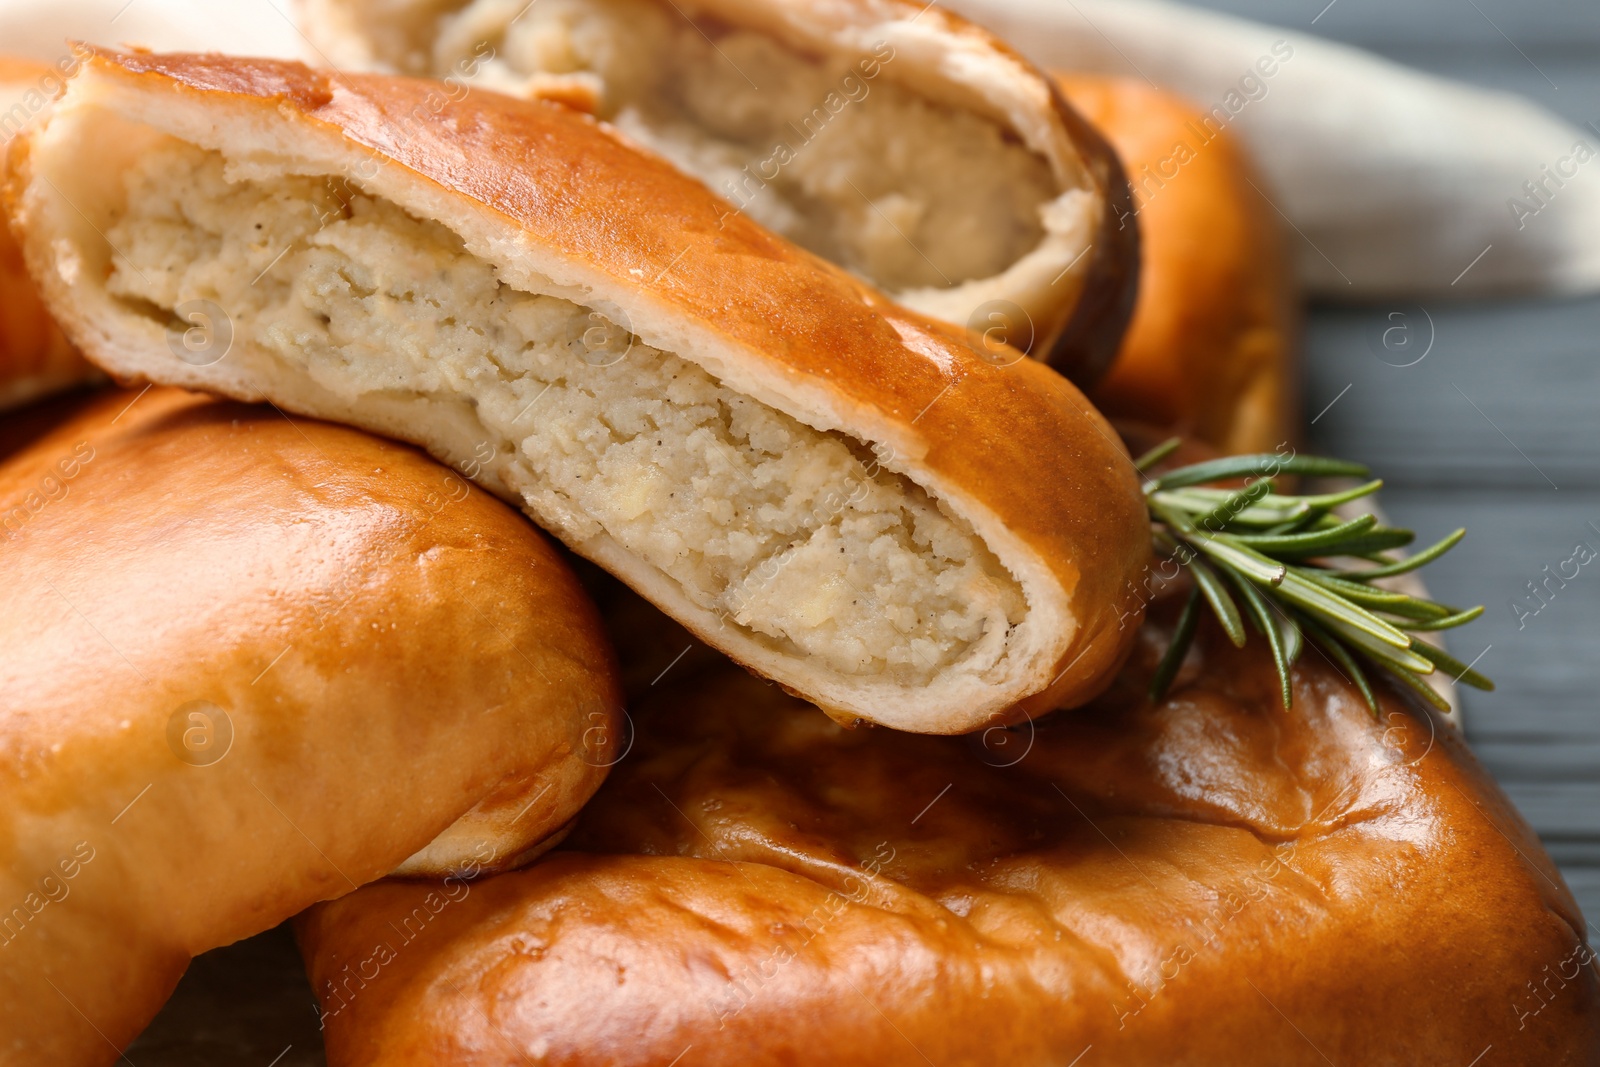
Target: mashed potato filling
(833,155)
(802,537)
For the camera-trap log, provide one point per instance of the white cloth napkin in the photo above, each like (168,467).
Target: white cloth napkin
(1396,182)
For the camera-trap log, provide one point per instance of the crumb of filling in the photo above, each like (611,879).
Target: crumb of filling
(799,536)
(902,191)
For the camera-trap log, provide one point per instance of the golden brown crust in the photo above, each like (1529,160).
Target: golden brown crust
(1211,348)
(1097,295)
(1015,449)
(385,648)
(1075,313)
(35,357)
(1207,881)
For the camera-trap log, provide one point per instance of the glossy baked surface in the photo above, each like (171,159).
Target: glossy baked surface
(1210,880)
(250,663)
(1071,306)
(1009,444)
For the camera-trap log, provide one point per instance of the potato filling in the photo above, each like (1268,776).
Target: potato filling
(802,537)
(833,155)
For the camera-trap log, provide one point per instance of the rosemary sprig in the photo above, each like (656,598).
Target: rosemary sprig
(1274,554)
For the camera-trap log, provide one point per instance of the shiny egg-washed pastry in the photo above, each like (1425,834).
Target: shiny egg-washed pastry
(1207,881)
(248,664)
(1211,351)
(889,136)
(841,494)
(35,358)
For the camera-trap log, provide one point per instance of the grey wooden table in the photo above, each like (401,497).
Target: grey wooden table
(1495,430)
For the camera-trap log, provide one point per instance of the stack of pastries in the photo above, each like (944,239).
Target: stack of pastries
(615,521)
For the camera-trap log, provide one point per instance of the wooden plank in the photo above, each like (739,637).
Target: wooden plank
(1483,430)
(1531,370)
(1504,398)
(1575,852)
(1543,759)
(1541,652)
(1565,809)
(1585,885)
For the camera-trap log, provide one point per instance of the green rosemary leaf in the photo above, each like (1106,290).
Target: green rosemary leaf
(1175,518)
(1384,600)
(1449,622)
(1452,666)
(1314,521)
(1261,465)
(1410,563)
(1157,454)
(1329,501)
(1223,549)
(1335,610)
(1317,542)
(1197,501)
(1270,507)
(1363,594)
(1224,512)
(1305,594)
(1182,638)
(1346,539)
(1261,571)
(1293,640)
(1286,557)
(1421,688)
(1402,670)
(1412,612)
(1283,528)
(1221,603)
(1381,539)
(1386,654)
(1342,657)
(1267,623)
